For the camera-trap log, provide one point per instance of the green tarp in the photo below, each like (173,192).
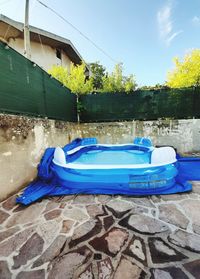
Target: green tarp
(140,105)
(27,89)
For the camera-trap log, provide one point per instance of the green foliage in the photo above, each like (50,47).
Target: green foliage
(98,72)
(186,72)
(74,79)
(60,73)
(80,107)
(116,82)
(129,83)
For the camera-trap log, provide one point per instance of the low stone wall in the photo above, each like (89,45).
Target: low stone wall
(22,143)
(24,139)
(183,134)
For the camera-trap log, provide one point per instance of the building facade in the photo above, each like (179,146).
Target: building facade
(47,49)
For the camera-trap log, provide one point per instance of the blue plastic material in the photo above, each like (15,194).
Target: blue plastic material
(143,141)
(56,180)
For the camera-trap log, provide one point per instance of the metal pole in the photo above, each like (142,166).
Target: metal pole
(27,45)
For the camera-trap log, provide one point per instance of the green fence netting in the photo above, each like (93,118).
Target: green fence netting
(26,89)
(140,105)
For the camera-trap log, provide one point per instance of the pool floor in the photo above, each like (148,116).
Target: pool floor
(115,157)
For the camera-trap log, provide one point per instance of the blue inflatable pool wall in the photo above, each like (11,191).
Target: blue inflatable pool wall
(84,166)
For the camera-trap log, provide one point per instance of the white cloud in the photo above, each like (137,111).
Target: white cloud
(165,24)
(196,20)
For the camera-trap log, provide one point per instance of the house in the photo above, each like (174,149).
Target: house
(47,49)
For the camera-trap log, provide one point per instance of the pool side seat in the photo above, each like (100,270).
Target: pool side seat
(163,155)
(143,141)
(59,156)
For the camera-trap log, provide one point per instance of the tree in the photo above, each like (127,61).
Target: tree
(77,82)
(116,82)
(98,72)
(186,72)
(74,79)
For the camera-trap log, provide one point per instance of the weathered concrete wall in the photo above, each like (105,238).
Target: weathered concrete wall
(23,141)
(182,134)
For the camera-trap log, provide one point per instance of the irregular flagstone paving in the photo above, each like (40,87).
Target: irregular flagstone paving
(102,237)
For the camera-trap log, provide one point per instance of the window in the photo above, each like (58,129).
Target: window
(58,53)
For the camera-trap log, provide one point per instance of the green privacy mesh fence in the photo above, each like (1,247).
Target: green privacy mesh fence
(140,105)
(26,89)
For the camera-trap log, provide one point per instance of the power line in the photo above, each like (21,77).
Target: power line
(81,33)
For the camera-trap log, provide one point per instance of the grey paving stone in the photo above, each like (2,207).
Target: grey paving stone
(171,214)
(104,198)
(4,270)
(168,273)
(192,209)
(194,268)
(84,199)
(13,243)
(196,187)
(105,269)
(3,216)
(142,201)
(10,203)
(49,230)
(52,214)
(26,215)
(65,266)
(66,226)
(75,213)
(7,233)
(174,197)
(186,240)
(95,210)
(143,224)
(87,273)
(119,207)
(51,252)
(128,270)
(36,274)
(51,205)
(32,248)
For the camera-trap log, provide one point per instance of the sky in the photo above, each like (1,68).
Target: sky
(144,35)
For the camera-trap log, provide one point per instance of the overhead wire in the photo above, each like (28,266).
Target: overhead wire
(80,32)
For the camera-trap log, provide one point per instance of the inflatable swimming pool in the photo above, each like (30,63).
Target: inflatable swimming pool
(86,167)
(137,166)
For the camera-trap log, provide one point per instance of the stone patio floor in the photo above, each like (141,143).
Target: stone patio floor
(104,237)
